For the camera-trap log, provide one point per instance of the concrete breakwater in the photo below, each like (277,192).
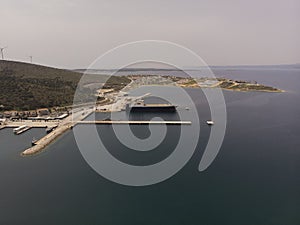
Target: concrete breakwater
(48,139)
(136,122)
(61,128)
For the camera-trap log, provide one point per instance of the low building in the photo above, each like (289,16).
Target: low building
(43,112)
(9,114)
(32,113)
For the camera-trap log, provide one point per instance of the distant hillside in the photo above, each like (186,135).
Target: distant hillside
(27,70)
(26,86)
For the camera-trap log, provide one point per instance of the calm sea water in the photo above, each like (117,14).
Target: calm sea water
(254,180)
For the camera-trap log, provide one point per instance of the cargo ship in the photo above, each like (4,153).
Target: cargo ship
(142,107)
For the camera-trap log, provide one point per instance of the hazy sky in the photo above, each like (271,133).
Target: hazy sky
(72,33)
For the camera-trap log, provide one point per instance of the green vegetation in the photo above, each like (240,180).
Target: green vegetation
(26,86)
(191,82)
(246,86)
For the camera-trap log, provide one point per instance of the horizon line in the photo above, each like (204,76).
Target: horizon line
(157,68)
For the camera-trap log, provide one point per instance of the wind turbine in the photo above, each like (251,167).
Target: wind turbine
(1,49)
(30,58)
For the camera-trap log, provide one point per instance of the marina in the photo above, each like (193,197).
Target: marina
(65,122)
(39,145)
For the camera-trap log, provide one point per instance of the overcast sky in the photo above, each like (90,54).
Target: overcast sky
(73,33)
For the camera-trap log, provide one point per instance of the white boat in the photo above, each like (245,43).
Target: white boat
(210,122)
(20,128)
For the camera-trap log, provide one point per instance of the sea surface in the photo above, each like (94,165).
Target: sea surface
(254,179)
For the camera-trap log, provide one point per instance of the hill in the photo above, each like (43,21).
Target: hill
(25,86)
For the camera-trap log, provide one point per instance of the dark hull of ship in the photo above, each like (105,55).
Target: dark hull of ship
(170,108)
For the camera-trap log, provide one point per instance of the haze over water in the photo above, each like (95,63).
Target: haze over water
(255,178)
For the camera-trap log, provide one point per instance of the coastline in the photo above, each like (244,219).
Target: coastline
(41,144)
(236,89)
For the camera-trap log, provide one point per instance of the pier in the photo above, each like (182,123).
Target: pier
(23,130)
(49,138)
(135,122)
(78,117)
(30,124)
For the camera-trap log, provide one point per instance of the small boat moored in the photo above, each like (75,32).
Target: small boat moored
(210,122)
(33,142)
(50,129)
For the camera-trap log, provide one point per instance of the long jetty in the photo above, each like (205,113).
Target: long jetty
(136,122)
(49,138)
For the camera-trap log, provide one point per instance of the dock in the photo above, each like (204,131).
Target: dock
(49,138)
(32,125)
(135,122)
(23,130)
(78,118)
(28,125)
